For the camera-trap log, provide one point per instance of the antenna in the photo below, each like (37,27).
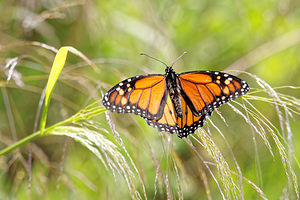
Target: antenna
(143,54)
(178,58)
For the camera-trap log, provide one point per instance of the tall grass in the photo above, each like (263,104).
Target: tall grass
(171,180)
(246,150)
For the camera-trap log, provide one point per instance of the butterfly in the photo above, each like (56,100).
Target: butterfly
(175,103)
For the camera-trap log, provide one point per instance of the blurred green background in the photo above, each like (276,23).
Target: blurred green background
(260,37)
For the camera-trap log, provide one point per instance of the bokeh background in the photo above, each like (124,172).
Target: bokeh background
(260,37)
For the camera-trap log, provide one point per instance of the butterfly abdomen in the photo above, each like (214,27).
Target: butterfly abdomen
(177,104)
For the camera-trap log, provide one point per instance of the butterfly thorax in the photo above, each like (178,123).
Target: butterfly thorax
(174,90)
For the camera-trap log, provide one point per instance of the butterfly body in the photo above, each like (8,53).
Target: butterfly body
(175,103)
(174,90)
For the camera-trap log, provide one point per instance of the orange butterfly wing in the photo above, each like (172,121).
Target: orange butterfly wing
(168,121)
(141,95)
(182,126)
(189,122)
(205,90)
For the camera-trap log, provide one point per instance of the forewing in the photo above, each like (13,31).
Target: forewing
(205,90)
(141,95)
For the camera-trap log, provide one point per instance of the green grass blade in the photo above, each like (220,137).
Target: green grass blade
(56,69)
(58,64)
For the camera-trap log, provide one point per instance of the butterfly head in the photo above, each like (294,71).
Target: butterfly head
(169,70)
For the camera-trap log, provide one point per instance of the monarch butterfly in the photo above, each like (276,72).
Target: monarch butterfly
(176,103)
